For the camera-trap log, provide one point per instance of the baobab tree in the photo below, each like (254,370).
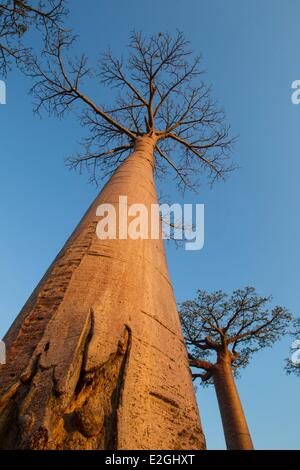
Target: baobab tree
(96,358)
(17,17)
(222,333)
(293,363)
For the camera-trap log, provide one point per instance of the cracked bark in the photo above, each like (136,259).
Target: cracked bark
(96,358)
(85,417)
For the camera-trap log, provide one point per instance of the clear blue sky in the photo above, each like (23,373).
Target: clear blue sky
(251,52)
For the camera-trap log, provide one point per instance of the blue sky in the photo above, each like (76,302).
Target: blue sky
(251,54)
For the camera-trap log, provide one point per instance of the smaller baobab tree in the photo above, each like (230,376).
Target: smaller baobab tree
(222,333)
(17,17)
(293,363)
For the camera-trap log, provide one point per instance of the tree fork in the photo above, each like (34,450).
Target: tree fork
(96,358)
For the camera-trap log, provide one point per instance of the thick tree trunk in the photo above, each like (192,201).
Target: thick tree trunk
(235,427)
(96,358)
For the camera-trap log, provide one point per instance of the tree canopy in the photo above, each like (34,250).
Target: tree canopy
(17,17)
(159,92)
(238,325)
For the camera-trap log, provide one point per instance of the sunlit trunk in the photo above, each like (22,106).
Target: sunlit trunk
(96,358)
(235,427)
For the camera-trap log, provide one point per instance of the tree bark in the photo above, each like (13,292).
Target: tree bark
(96,358)
(235,427)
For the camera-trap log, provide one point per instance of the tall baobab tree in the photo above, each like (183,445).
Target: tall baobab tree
(222,333)
(19,16)
(96,358)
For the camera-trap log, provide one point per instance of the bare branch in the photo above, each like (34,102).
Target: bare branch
(177,170)
(155,96)
(200,363)
(19,16)
(204,377)
(195,152)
